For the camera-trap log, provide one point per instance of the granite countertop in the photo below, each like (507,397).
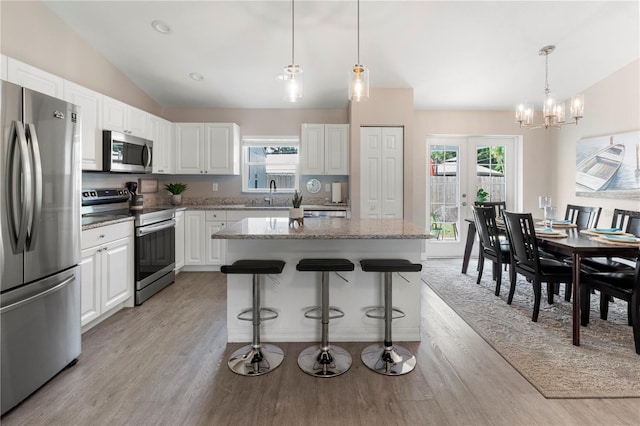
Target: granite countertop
(323,228)
(99,221)
(249,207)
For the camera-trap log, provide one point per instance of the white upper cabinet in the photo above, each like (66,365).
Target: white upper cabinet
(324,149)
(124,118)
(90,103)
(160,131)
(34,78)
(207,148)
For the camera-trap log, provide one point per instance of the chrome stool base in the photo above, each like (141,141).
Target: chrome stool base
(252,361)
(328,363)
(390,361)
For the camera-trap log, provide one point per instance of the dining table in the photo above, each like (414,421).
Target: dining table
(577,245)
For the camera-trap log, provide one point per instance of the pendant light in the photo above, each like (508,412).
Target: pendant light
(292,75)
(359,76)
(553,112)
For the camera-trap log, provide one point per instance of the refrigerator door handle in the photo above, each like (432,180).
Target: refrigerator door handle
(37,296)
(18,226)
(37,191)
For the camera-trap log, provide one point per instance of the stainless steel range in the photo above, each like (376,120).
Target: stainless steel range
(155,236)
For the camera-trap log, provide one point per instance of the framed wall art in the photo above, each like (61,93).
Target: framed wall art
(609,166)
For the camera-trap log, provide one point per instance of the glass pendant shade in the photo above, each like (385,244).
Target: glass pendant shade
(292,83)
(524,114)
(577,107)
(359,83)
(549,107)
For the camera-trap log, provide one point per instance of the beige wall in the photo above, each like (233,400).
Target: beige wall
(53,47)
(611,106)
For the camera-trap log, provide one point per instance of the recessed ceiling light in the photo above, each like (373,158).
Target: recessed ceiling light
(161,27)
(195,76)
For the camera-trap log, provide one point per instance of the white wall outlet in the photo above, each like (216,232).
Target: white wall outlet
(214,186)
(327,187)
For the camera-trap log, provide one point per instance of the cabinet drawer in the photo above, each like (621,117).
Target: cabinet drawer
(105,234)
(216,216)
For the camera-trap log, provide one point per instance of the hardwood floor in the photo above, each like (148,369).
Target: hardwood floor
(164,363)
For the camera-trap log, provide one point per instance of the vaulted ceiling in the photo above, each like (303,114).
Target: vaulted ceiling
(454,54)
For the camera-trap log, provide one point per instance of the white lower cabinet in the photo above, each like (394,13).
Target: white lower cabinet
(107,271)
(201,252)
(179,240)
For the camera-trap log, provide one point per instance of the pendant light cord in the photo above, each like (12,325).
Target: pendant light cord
(358,32)
(546,73)
(292,32)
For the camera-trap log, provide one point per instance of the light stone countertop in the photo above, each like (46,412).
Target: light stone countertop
(249,207)
(322,228)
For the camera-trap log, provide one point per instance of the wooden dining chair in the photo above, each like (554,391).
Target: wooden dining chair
(498,206)
(582,216)
(492,246)
(526,260)
(627,221)
(621,284)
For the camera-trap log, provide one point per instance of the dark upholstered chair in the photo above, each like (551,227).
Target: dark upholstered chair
(526,260)
(583,217)
(492,247)
(622,284)
(627,221)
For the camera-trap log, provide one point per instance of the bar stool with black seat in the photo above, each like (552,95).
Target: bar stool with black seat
(325,360)
(257,358)
(388,359)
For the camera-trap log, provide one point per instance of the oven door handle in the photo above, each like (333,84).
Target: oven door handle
(145,230)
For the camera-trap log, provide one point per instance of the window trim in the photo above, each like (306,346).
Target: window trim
(256,140)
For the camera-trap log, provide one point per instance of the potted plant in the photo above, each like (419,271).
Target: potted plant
(296,212)
(481,195)
(176,190)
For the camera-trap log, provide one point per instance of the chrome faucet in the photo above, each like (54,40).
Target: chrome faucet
(272,187)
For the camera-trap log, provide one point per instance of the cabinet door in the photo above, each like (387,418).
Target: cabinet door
(90,103)
(114,115)
(179,240)
(165,152)
(194,241)
(34,78)
(189,145)
(215,251)
(312,149)
(117,272)
(222,148)
(90,285)
(136,122)
(336,149)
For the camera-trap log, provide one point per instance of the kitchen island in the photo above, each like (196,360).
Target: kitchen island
(295,292)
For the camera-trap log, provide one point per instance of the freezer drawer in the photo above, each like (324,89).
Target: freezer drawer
(40,331)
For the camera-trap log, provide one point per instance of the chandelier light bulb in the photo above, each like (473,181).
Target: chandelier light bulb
(292,83)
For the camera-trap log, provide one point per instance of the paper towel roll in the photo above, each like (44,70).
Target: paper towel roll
(336,192)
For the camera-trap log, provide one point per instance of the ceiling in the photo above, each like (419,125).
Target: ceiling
(454,54)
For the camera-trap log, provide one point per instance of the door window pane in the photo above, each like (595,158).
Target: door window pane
(491,183)
(445,185)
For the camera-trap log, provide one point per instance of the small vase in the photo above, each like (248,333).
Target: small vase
(176,199)
(296,213)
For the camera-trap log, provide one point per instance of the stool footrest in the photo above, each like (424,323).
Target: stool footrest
(270,314)
(338,313)
(371,313)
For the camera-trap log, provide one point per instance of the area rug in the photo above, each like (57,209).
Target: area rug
(605,364)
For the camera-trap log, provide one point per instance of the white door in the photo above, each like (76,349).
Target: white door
(117,275)
(458,168)
(381,172)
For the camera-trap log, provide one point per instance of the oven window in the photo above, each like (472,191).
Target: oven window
(154,252)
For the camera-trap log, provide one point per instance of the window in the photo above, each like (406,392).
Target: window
(266,159)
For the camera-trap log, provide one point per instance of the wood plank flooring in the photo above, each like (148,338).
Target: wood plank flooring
(164,363)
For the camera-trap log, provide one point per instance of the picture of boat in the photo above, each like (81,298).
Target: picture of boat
(596,171)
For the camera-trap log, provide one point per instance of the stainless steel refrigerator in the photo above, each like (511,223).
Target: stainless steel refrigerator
(39,240)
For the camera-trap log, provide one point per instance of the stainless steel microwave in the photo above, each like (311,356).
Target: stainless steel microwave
(126,153)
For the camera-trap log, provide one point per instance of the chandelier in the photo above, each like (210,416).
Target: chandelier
(292,75)
(359,75)
(553,112)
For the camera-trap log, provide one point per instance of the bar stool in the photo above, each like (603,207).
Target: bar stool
(324,360)
(257,358)
(388,359)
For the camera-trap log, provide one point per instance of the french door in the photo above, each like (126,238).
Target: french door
(460,171)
